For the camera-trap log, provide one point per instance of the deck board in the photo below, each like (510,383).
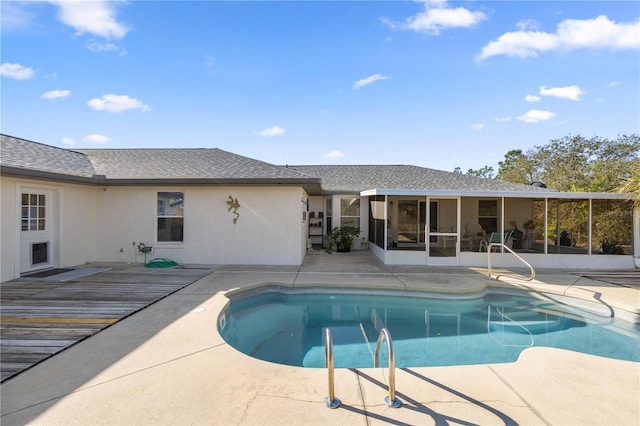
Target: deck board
(39,318)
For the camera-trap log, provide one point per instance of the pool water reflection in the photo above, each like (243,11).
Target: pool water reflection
(286,327)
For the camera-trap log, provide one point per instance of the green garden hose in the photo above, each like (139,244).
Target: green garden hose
(162,263)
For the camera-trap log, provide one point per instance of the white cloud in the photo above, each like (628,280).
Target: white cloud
(571,34)
(614,83)
(16,71)
(569,92)
(15,15)
(503,119)
(532,98)
(68,141)
(97,139)
(477,126)
(56,94)
(97,46)
(333,154)
(117,103)
(366,81)
(527,25)
(436,16)
(95,17)
(271,131)
(535,116)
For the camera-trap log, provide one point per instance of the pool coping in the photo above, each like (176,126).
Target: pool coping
(168,364)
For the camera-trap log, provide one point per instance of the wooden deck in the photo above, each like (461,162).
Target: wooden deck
(41,317)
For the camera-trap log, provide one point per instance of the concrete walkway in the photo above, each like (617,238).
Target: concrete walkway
(167,364)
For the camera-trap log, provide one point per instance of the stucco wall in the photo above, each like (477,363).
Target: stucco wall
(73,223)
(269,229)
(78,225)
(8,229)
(101,224)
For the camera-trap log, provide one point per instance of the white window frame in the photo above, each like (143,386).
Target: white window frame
(168,216)
(358,218)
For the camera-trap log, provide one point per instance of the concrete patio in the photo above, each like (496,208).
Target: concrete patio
(167,364)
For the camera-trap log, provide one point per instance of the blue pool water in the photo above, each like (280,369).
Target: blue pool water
(287,328)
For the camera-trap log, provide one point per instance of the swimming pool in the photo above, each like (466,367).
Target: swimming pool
(284,326)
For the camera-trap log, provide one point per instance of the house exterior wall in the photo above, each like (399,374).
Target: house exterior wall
(468,212)
(78,219)
(447,214)
(9,233)
(73,223)
(102,223)
(268,230)
(519,210)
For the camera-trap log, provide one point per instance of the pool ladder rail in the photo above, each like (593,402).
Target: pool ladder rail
(390,400)
(508,249)
(331,401)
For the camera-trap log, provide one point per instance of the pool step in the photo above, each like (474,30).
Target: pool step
(525,327)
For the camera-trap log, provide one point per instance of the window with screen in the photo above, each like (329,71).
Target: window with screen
(170,217)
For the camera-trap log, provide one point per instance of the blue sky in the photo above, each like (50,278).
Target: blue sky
(431,83)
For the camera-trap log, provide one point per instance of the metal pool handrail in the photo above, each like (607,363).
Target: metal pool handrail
(492,245)
(505,316)
(331,401)
(390,400)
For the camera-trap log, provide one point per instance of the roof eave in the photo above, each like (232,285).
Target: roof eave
(311,185)
(493,193)
(213,181)
(44,175)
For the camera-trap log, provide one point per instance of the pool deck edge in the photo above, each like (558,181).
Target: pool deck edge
(167,364)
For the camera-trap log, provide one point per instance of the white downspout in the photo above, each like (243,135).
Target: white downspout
(636,235)
(386,227)
(590,229)
(546,226)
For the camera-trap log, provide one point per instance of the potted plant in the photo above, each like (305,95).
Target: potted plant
(341,238)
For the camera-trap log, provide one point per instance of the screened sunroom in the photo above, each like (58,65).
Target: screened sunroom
(562,229)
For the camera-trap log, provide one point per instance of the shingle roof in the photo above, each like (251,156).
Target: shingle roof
(22,154)
(170,164)
(339,178)
(215,165)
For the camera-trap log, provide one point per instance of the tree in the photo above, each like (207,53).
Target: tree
(579,164)
(631,184)
(484,172)
(516,167)
(574,163)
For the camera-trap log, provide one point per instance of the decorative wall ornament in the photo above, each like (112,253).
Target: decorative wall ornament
(234,205)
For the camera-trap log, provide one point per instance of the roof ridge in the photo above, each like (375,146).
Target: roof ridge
(149,149)
(351,165)
(4,135)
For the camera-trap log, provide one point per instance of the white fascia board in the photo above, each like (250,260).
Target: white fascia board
(506,194)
